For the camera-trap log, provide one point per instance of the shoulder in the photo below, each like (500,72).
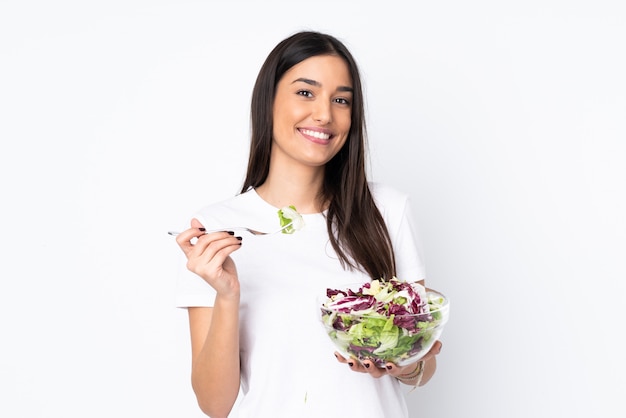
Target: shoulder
(388,197)
(394,204)
(217,205)
(240,205)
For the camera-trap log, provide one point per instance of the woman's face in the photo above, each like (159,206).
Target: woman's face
(312,111)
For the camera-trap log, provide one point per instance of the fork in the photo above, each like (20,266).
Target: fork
(239,228)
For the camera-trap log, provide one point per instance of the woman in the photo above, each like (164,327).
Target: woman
(253,313)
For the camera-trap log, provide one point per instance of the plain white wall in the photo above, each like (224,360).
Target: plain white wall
(504,120)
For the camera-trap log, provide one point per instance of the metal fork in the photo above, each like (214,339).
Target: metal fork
(240,228)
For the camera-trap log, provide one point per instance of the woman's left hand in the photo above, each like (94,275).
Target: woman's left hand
(391,369)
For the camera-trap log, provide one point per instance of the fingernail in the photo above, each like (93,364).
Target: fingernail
(388,367)
(350,364)
(230,233)
(202,229)
(239,238)
(367,365)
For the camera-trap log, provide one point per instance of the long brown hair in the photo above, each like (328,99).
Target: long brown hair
(356,228)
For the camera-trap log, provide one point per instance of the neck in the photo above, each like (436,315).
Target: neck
(299,186)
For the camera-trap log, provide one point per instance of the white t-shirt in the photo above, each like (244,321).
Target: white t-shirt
(287,364)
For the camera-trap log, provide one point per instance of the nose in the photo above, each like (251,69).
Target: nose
(322,113)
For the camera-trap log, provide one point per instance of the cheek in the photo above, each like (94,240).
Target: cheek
(345,128)
(344,120)
(286,116)
(342,143)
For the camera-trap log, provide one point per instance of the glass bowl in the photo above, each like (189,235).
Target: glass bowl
(376,333)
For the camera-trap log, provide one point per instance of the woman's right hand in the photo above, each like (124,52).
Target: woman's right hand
(209,257)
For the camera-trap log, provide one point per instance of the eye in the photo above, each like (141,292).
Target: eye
(305,93)
(342,100)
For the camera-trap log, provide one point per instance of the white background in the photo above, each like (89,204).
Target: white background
(503,120)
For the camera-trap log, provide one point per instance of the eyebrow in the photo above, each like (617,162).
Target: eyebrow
(318,84)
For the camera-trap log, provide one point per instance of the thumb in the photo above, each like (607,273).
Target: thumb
(196,223)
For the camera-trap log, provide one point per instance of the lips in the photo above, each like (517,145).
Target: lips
(316,135)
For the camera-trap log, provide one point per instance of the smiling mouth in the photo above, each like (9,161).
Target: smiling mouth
(316,134)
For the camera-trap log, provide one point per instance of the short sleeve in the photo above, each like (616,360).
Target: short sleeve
(408,248)
(397,212)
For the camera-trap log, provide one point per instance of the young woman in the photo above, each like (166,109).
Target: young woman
(252,300)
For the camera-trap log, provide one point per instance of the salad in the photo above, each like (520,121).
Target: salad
(384,321)
(289,215)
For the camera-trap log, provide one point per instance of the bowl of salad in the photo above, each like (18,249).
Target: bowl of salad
(384,321)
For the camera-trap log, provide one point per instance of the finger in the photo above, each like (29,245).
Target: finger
(184,239)
(214,241)
(340,358)
(189,239)
(435,350)
(395,370)
(352,363)
(213,249)
(372,369)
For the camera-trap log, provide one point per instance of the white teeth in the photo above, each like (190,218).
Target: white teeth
(315,134)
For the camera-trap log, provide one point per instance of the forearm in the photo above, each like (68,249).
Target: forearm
(215,371)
